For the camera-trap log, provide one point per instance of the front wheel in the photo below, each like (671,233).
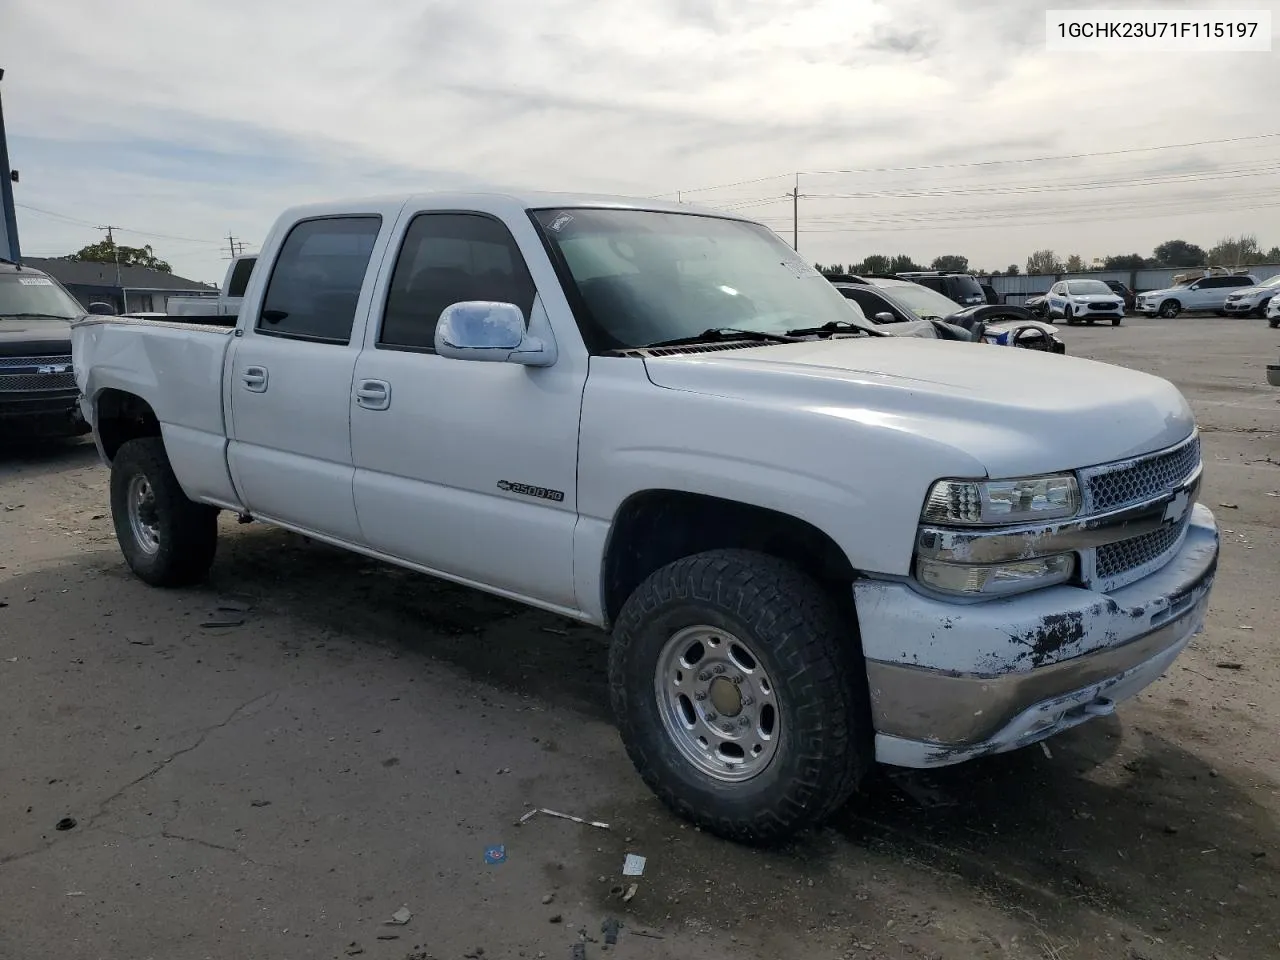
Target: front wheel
(1274,322)
(1069,315)
(167,540)
(1115,321)
(1170,309)
(740,694)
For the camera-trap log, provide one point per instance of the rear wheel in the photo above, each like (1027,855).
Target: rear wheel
(741,695)
(167,540)
(1170,309)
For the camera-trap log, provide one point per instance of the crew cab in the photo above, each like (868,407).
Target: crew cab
(816,546)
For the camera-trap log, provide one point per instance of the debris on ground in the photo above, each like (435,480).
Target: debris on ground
(354,949)
(401,917)
(495,854)
(222,620)
(633,865)
(557,918)
(631,892)
(646,933)
(1229,665)
(475,954)
(1044,747)
(579,952)
(66,823)
(548,898)
(610,929)
(1230,506)
(388,936)
(563,816)
(234,605)
(260,803)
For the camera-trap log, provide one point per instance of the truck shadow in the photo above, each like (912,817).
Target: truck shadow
(18,453)
(1116,828)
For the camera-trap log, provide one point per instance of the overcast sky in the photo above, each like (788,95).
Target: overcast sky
(185,121)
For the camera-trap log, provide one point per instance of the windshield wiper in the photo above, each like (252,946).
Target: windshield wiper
(835,326)
(716,334)
(45,316)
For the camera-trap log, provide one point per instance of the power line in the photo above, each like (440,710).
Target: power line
(983,163)
(89,223)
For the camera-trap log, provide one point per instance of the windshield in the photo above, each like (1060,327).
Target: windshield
(966,286)
(1273,282)
(920,300)
(1084,288)
(647,277)
(34,295)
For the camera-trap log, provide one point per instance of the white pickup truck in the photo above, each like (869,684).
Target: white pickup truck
(816,546)
(230,295)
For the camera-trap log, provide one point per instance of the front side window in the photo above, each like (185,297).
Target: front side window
(34,296)
(316,281)
(643,276)
(449,258)
(925,303)
(870,303)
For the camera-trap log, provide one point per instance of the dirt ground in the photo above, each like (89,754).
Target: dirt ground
(280,788)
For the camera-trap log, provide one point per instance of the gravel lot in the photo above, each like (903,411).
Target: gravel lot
(278,789)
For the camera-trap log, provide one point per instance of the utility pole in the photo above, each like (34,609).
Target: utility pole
(234,247)
(115,251)
(9,248)
(795,215)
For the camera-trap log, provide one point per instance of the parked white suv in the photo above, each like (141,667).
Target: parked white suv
(1206,293)
(1085,300)
(1252,301)
(816,546)
(1273,312)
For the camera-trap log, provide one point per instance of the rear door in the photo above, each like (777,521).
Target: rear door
(466,468)
(291,368)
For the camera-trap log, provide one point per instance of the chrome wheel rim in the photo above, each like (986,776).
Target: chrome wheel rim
(719,706)
(143,522)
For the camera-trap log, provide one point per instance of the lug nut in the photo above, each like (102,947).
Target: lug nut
(719,668)
(744,722)
(710,716)
(699,696)
(727,727)
(704,676)
(739,678)
(748,701)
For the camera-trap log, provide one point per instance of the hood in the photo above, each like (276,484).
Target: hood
(1251,291)
(1094,297)
(1018,412)
(32,337)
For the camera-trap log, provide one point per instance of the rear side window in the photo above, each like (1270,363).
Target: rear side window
(870,302)
(933,283)
(240,277)
(449,258)
(315,283)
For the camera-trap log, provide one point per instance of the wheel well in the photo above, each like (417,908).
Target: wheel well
(657,527)
(122,417)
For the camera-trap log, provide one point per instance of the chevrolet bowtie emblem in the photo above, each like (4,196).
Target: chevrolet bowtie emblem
(1177,507)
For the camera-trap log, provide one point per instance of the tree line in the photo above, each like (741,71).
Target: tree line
(1241,251)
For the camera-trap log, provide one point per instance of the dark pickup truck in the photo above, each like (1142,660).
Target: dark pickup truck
(37,384)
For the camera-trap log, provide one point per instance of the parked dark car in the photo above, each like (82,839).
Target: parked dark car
(1130,298)
(963,288)
(1038,305)
(894,300)
(37,385)
(989,292)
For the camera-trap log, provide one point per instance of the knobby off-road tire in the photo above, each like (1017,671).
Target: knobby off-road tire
(167,540)
(808,668)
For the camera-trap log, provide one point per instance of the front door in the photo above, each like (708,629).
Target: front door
(465,468)
(290,383)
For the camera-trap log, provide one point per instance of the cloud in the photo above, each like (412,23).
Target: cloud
(202,118)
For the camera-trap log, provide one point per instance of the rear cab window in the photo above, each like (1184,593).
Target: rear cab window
(316,279)
(964,286)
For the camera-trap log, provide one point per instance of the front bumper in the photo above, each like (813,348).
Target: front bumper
(42,411)
(1240,306)
(950,682)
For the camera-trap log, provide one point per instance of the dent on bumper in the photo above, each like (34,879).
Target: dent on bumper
(950,682)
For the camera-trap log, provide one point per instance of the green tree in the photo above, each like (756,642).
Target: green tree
(1179,253)
(1241,251)
(1074,264)
(876,263)
(1044,261)
(829,269)
(106,251)
(1125,261)
(902,263)
(1012,270)
(950,261)
(1273,255)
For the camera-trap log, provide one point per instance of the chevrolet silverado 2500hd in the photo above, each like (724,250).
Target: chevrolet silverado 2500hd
(816,546)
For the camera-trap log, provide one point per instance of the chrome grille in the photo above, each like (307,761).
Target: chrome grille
(1129,556)
(1143,479)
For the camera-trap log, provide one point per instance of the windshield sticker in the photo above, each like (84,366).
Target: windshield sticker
(560,222)
(35,281)
(800,268)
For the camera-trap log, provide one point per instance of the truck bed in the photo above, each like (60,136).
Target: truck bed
(176,366)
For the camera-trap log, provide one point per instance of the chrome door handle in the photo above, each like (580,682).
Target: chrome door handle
(373,394)
(255,379)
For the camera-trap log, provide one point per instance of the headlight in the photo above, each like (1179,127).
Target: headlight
(981,503)
(996,579)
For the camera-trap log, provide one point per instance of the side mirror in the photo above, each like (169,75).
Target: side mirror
(885,316)
(493,332)
(1195,286)
(99,309)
